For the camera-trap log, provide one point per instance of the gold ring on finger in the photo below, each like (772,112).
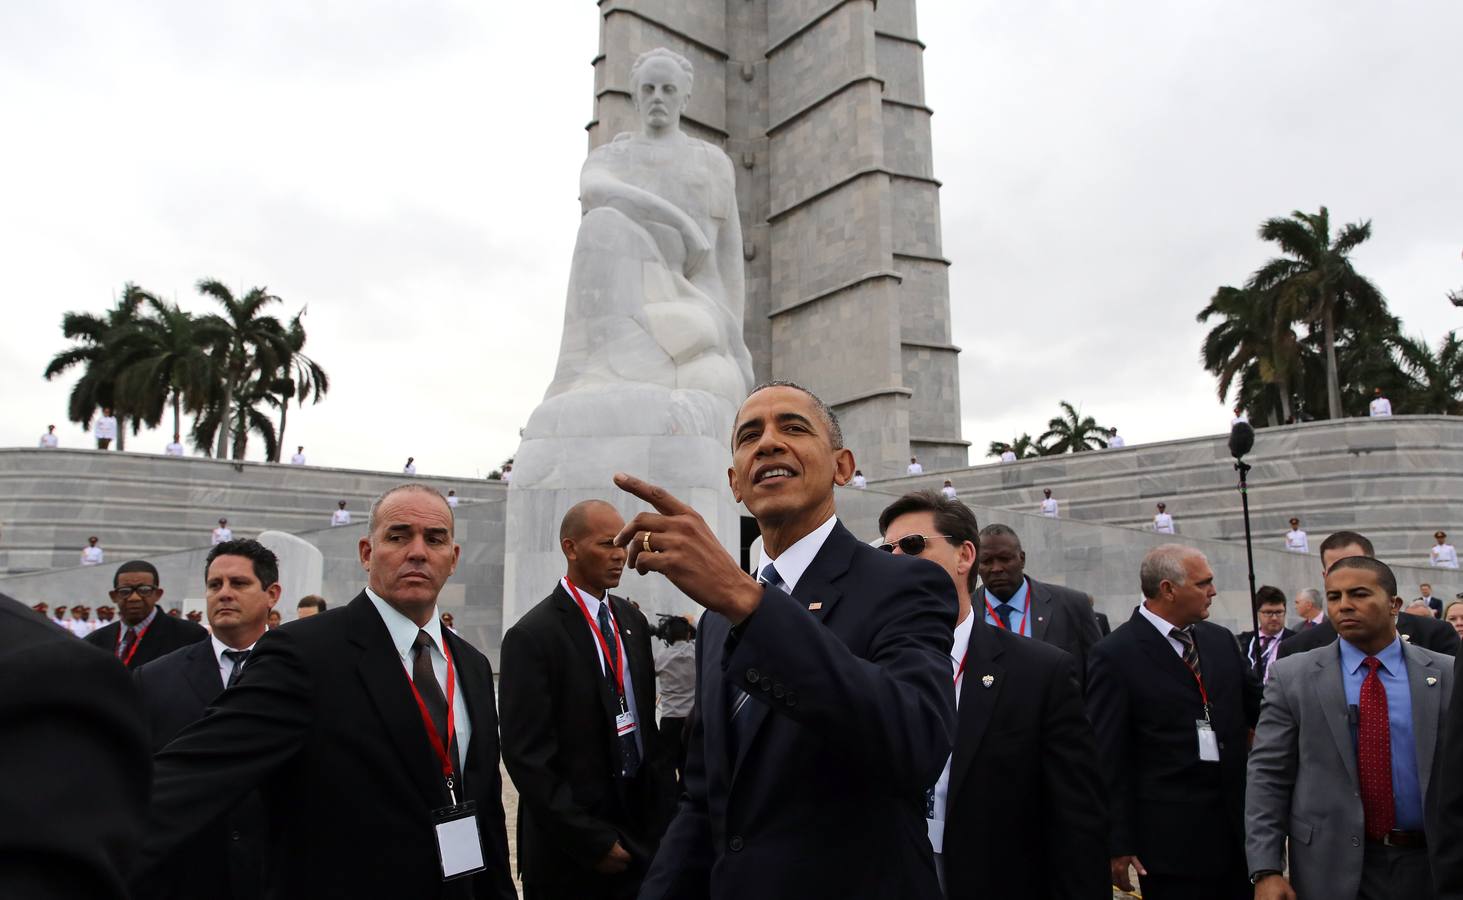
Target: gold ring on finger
(647,543)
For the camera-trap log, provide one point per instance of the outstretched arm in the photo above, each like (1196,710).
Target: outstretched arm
(600,187)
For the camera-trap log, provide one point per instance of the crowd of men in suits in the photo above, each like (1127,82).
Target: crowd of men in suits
(924,719)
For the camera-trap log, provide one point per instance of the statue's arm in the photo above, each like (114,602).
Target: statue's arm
(600,187)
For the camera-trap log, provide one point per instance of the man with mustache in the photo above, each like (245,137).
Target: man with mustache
(579,733)
(142,633)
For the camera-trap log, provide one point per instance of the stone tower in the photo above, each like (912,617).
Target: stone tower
(820,103)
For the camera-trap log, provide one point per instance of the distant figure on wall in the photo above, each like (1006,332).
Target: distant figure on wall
(1443,556)
(948,490)
(92,554)
(1296,540)
(299,458)
(341,516)
(452,499)
(1380,407)
(49,440)
(1239,416)
(411,466)
(1116,442)
(1163,522)
(1049,504)
(859,481)
(105,428)
(914,467)
(1008,455)
(175,447)
(223,532)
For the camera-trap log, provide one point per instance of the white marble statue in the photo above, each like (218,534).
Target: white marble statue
(656,288)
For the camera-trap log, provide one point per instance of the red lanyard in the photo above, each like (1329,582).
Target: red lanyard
(1025,616)
(961,671)
(131,651)
(1203,694)
(619,658)
(432,736)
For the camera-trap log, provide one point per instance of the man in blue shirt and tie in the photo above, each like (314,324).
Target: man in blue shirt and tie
(1347,752)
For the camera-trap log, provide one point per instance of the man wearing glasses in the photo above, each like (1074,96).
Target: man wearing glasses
(1263,649)
(142,634)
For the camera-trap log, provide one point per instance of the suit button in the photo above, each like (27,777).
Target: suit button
(766,685)
(735,844)
(791,699)
(753,676)
(778,691)
(235,835)
(1355,841)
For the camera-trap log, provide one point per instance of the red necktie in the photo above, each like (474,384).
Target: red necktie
(1374,755)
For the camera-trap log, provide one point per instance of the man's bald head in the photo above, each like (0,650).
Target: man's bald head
(576,520)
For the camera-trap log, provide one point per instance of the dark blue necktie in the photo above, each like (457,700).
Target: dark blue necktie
(737,719)
(1003,612)
(629,748)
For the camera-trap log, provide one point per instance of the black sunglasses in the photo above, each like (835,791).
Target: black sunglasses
(143,590)
(912,544)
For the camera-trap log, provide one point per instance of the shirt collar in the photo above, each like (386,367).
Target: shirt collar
(403,630)
(1318,617)
(795,560)
(219,647)
(140,626)
(591,602)
(1018,599)
(962,637)
(1163,625)
(1390,656)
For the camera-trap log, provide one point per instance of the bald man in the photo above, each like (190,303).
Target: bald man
(579,732)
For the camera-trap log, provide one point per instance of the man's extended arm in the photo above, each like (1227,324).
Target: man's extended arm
(1274,761)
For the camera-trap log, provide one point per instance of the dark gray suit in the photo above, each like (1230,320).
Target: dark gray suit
(1302,771)
(1064,618)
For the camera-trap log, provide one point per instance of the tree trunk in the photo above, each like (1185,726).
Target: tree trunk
(1286,413)
(1333,380)
(226,421)
(177,416)
(284,411)
(121,432)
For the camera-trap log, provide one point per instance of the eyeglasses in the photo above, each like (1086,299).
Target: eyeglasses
(912,544)
(1273,613)
(143,590)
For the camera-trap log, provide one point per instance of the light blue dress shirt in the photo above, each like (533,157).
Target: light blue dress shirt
(1406,786)
(1019,608)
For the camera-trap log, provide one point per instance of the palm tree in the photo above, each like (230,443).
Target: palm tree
(1072,432)
(1253,344)
(96,352)
(1434,381)
(166,359)
(1316,282)
(246,417)
(1024,447)
(298,377)
(256,343)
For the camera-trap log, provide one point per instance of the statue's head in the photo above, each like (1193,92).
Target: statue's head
(660,81)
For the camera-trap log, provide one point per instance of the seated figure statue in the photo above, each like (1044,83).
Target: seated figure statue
(652,339)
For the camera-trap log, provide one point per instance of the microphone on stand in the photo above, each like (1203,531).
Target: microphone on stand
(1242,441)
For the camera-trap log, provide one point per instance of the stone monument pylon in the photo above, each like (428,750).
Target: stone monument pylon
(652,364)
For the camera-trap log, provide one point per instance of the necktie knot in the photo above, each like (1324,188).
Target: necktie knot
(237,657)
(770,576)
(1372,664)
(423,643)
(1004,610)
(1182,635)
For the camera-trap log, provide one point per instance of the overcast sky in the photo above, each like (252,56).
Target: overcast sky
(409,171)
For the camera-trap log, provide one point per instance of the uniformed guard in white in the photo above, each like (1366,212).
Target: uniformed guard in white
(1296,540)
(1380,406)
(1443,555)
(1163,522)
(1049,504)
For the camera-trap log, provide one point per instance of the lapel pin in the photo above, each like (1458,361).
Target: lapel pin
(1407,638)
(815,605)
(1041,618)
(1431,681)
(987,680)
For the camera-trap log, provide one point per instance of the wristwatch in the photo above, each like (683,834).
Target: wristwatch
(1263,874)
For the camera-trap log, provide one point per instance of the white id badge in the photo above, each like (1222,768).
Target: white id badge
(459,847)
(1208,741)
(625,724)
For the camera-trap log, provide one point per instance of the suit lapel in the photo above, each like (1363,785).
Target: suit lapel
(1161,651)
(585,649)
(977,702)
(1038,603)
(642,671)
(388,686)
(472,681)
(202,672)
(1426,708)
(815,587)
(1331,695)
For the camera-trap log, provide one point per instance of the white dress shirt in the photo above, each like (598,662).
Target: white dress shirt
(1297,542)
(593,603)
(914,468)
(1049,507)
(1115,442)
(173,449)
(1163,523)
(92,556)
(221,534)
(1444,556)
(795,560)
(1380,407)
(297,460)
(1163,625)
(225,665)
(105,427)
(340,517)
(50,441)
(935,825)
(404,634)
(1008,456)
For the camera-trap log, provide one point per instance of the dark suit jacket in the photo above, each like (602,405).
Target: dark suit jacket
(851,712)
(323,720)
(1446,844)
(1180,816)
(74,765)
(1424,631)
(558,711)
(1103,627)
(162,637)
(1064,618)
(1026,815)
(226,859)
(1252,653)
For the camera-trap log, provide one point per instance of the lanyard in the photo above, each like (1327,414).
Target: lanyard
(1203,694)
(1269,653)
(433,737)
(619,658)
(1025,616)
(131,651)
